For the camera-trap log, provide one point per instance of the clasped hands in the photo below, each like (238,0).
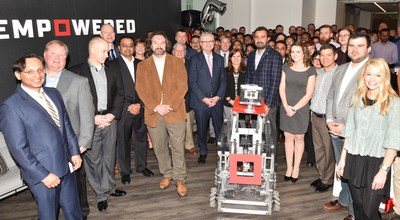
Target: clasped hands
(103,121)
(290,110)
(335,128)
(134,109)
(163,110)
(211,102)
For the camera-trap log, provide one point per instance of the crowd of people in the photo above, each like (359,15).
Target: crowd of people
(331,92)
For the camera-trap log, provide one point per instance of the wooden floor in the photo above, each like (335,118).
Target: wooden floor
(146,201)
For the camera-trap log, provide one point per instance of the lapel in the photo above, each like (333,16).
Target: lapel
(125,70)
(262,59)
(153,74)
(63,82)
(205,64)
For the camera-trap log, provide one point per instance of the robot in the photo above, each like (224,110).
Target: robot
(245,178)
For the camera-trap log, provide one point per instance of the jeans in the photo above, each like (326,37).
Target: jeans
(344,195)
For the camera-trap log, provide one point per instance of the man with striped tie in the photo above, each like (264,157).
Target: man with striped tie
(39,135)
(108,34)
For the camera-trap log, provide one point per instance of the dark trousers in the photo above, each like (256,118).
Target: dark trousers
(308,144)
(82,189)
(271,131)
(126,125)
(366,203)
(202,121)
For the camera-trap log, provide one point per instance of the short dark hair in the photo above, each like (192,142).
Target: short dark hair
(326,26)
(384,30)
(361,35)
(281,42)
(328,47)
(126,37)
(20,64)
(261,28)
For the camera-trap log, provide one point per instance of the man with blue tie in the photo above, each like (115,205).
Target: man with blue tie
(40,137)
(108,34)
(207,81)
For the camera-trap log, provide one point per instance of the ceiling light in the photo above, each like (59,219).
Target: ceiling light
(377,5)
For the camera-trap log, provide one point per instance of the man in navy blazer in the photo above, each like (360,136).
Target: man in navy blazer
(264,68)
(41,139)
(207,81)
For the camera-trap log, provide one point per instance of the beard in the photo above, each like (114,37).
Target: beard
(261,45)
(324,41)
(159,52)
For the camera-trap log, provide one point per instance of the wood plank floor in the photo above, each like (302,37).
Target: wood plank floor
(146,201)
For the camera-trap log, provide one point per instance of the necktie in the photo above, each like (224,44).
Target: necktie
(49,108)
(111,54)
(210,67)
(225,63)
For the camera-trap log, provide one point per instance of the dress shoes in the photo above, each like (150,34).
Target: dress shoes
(202,159)
(287,178)
(211,140)
(192,151)
(322,188)
(390,215)
(349,217)
(316,183)
(118,193)
(181,188)
(294,179)
(125,179)
(334,206)
(165,183)
(102,205)
(146,172)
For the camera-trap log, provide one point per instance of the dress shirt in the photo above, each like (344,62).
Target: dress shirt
(35,96)
(130,65)
(160,62)
(324,81)
(258,56)
(53,81)
(318,45)
(350,73)
(225,55)
(386,51)
(100,82)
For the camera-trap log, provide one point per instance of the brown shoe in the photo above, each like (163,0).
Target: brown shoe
(181,188)
(390,215)
(349,217)
(334,206)
(192,151)
(165,183)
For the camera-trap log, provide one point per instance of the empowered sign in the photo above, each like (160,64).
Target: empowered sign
(26,26)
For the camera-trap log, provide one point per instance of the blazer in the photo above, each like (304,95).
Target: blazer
(336,110)
(201,84)
(37,144)
(78,101)
(230,87)
(115,89)
(171,92)
(267,75)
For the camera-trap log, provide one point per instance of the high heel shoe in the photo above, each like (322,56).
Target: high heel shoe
(294,179)
(287,178)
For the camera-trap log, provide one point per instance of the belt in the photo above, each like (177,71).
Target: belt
(319,115)
(102,112)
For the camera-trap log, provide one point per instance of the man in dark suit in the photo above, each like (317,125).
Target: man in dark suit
(207,81)
(132,117)
(79,104)
(40,138)
(108,34)
(264,68)
(108,96)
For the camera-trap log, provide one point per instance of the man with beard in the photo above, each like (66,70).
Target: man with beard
(343,87)
(162,85)
(325,37)
(264,68)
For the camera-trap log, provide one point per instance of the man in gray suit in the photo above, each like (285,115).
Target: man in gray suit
(78,101)
(343,87)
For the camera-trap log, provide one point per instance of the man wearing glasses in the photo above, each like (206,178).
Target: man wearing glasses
(207,82)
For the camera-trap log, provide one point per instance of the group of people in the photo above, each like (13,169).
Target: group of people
(334,87)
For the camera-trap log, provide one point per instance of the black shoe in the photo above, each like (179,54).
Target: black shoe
(202,159)
(294,179)
(146,172)
(102,205)
(391,214)
(118,193)
(211,140)
(316,183)
(287,178)
(309,164)
(322,187)
(125,179)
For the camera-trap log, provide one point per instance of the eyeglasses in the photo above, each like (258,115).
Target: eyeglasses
(31,72)
(127,45)
(207,42)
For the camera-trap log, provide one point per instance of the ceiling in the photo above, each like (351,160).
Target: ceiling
(390,6)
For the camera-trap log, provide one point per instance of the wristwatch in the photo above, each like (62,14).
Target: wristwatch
(384,167)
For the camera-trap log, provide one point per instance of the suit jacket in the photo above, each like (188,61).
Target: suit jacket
(202,85)
(336,109)
(267,75)
(37,144)
(130,94)
(171,92)
(115,88)
(78,101)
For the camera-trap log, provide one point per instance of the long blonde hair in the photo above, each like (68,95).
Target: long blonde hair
(386,91)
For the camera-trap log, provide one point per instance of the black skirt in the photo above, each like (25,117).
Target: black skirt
(361,170)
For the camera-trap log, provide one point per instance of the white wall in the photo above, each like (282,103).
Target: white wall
(308,12)
(325,12)
(237,14)
(365,19)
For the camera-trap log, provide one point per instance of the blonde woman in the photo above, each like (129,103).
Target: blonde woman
(372,139)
